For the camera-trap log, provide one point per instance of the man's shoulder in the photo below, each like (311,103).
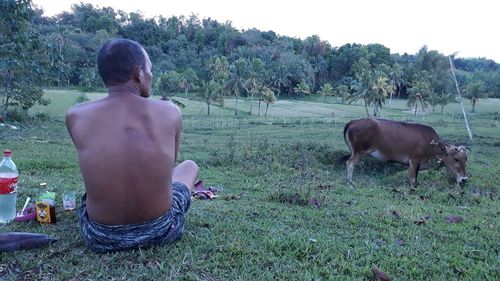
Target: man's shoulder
(81,108)
(165,106)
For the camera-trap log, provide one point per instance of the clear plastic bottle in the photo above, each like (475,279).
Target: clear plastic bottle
(8,187)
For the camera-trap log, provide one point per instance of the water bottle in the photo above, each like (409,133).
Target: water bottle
(8,187)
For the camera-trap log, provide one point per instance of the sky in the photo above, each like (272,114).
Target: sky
(466,28)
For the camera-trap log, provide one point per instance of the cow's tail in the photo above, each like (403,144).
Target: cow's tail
(346,127)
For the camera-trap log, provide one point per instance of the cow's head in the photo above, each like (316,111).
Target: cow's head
(454,158)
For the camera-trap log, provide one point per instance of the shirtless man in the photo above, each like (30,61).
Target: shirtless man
(127,148)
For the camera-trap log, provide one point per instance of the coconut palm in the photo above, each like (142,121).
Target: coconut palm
(280,79)
(363,89)
(342,91)
(397,77)
(474,92)
(326,90)
(444,99)
(254,80)
(302,88)
(188,78)
(418,94)
(210,92)
(167,84)
(434,100)
(382,88)
(218,68)
(260,91)
(236,82)
(269,98)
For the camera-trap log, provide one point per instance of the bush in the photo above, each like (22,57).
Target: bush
(82,98)
(17,115)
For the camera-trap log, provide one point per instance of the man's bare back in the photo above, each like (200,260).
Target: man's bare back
(127,147)
(128,144)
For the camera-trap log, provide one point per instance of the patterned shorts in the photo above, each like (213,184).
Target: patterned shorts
(160,231)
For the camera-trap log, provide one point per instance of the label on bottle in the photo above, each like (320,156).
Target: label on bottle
(45,213)
(8,185)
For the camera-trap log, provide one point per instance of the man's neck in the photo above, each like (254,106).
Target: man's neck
(123,89)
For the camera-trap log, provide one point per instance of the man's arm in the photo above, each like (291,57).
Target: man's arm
(178,129)
(69,122)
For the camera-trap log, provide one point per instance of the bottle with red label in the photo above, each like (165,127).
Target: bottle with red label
(8,187)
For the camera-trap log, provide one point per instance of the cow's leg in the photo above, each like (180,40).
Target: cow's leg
(414,166)
(350,165)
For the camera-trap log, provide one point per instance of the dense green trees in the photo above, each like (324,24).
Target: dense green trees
(23,57)
(39,51)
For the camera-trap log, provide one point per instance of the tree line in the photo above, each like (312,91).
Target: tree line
(215,60)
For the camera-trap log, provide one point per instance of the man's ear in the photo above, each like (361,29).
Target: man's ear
(137,74)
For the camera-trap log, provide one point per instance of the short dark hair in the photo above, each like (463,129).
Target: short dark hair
(118,58)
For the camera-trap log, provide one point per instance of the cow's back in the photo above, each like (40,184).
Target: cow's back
(389,140)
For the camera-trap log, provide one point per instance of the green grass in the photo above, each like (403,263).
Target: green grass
(284,210)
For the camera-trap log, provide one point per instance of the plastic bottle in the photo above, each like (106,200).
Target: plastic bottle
(8,187)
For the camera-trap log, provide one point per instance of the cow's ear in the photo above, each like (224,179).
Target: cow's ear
(443,146)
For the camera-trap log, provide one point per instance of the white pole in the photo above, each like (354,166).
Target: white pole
(460,98)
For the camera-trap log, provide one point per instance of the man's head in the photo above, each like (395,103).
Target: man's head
(122,60)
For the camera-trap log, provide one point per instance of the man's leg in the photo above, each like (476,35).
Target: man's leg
(186,173)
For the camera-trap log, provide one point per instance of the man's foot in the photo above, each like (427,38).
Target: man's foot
(200,192)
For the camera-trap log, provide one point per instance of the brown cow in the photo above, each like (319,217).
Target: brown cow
(406,143)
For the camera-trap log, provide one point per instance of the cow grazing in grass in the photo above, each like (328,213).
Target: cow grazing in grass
(406,143)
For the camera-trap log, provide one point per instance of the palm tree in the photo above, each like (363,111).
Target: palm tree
(342,91)
(236,82)
(280,79)
(397,78)
(258,91)
(210,92)
(363,89)
(88,77)
(302,88)
(434,100)
(475,91)
(188,78)
(326,90)
(167,84)
(268,98)
(382,88)
(218,68)
(418,93)
(444,99)
(254,80)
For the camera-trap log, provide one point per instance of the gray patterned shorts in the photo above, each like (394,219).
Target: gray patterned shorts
(160,231)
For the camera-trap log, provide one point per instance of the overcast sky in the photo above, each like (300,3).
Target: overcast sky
(468,27)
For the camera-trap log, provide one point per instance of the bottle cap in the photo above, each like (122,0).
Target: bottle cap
(7,153)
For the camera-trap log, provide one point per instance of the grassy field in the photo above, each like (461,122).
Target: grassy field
(284,210)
